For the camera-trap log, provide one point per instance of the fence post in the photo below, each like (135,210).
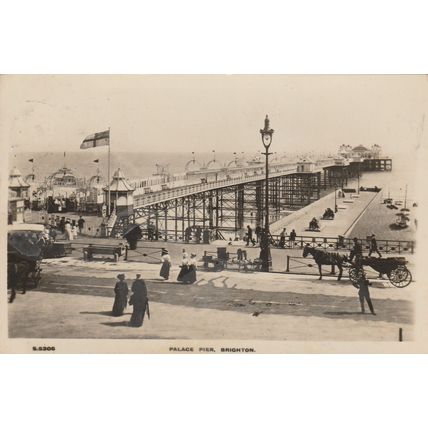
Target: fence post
(288,264)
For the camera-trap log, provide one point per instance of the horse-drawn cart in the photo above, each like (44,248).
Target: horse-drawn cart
(393,267)
(24,255)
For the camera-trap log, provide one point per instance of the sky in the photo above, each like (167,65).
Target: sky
(202,113)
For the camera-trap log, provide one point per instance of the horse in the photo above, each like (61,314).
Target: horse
(325,258)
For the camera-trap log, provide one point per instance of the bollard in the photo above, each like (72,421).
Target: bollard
(288,264)
(400,334)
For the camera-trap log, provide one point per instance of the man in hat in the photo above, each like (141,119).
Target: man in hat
(363,293)
(250,236)
(373,246)
(357,252)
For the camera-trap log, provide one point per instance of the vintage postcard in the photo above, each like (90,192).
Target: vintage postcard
(213,214)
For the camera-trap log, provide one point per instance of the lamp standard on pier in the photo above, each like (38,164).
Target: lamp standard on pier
(266,134)
(335,196)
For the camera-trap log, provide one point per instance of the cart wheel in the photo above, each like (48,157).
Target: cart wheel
(355,274)
(400,277)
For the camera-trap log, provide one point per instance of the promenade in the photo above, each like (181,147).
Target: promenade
(75,302)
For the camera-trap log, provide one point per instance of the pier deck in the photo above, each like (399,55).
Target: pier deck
(349,210)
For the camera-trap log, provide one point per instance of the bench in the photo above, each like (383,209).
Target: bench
(57,249)
(307,229)
(114,250)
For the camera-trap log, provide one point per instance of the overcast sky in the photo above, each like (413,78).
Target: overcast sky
(202,113)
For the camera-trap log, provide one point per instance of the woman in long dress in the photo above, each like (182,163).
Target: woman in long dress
(190,277)
(166,264)
(139,302)
(184,267)
(121,296)
(68,230)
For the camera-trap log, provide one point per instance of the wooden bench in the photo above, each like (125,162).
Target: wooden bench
(307,229)
(114,250)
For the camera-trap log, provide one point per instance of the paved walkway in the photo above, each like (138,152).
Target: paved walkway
(76,302)
(349,210)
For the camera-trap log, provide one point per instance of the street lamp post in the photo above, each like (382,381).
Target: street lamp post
(359,164)
(266,134)
(335,196)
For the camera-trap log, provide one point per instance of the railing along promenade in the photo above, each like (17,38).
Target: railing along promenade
(343,244)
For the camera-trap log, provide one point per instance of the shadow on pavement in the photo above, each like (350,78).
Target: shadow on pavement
(343,313)
(106,313)
(116,324)
(217,294)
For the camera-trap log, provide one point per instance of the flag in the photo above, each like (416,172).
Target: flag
(30,160)
(96,140)
(96,160)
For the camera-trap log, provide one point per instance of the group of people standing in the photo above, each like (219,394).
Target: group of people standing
(70,228)
(138,300)
(188,269)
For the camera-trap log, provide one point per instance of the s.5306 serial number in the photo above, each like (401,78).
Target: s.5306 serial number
(43,348)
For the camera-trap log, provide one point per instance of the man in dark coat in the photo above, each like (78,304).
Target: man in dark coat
(258,231)
(357,252)
(373,246)
(139,301)
(250,236)
(363,293)
(80,223)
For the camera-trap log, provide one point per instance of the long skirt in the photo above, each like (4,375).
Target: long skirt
(137,316)
(119,305)
(183,272)
(164,272)
(190,276)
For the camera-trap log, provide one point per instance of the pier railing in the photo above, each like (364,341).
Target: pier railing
(340,243)
(165,195)
(385,246)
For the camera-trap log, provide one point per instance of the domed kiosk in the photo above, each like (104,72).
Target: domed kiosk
(121,194)
(18,196)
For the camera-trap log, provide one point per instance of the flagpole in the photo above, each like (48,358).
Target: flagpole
(108,173)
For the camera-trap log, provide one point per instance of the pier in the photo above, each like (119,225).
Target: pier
(229,202)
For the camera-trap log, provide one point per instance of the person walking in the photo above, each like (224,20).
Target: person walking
(62,225)
(166,264)
(184,266)
(121,296)
(357,252)
(373,246)
(68,230)
(258,231)
(364,294)
(292,237)
(282,236)
(198,234)
(190,277)
(139,301)
(187,234)
(81,223)
(74,229)
(250,236)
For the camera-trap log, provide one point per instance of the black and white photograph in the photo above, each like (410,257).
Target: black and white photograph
(212,213)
